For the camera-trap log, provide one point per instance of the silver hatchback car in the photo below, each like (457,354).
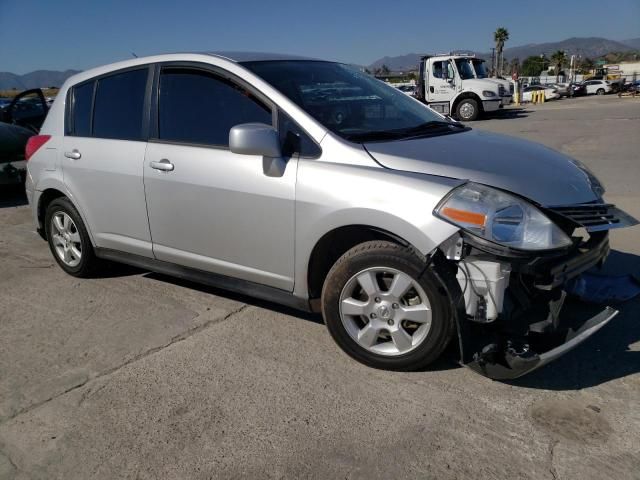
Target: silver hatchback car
(312,184)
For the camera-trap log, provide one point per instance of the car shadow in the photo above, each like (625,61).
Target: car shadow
(607,355)
(604,357)
(507,114)
(219,292)
(12,196)
(449,360)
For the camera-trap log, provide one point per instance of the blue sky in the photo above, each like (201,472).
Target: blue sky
(78,34)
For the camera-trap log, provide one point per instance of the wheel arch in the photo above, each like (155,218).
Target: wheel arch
(464,95)
(333,244)
(44,200)
(49,194)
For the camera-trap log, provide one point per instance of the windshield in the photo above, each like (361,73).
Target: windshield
(345,100)
(464,69)
(481,71)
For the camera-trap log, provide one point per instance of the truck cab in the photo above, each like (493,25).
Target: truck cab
(448,84)
(480,71)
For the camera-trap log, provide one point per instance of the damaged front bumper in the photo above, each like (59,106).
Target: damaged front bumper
(516,363)
(510,327)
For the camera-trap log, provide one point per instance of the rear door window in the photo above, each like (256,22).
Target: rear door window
(119,105)
(199,107)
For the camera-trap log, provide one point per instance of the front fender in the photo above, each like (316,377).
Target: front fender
(333,195)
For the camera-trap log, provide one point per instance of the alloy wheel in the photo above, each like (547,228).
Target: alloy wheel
(385,311)
(66,239)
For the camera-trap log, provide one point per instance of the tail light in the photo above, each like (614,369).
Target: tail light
(33,145)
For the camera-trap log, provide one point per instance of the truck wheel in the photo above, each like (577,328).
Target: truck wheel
(384,307)
(600,91)
(467,110)
(68,239)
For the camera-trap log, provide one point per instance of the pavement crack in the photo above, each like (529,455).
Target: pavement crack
(552,452)
(152,351)
(4,453)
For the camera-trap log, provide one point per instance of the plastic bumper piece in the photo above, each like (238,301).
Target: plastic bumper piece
(519,363)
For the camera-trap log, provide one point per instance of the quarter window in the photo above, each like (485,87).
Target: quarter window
(81,112)
(197,106)
(294,140)
(119,105)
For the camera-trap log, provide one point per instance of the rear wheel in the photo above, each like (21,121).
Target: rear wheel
(68,239)
(467,110)
(385,308)
(600,91)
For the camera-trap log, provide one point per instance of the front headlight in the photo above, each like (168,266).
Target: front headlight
(502,218)
(488,93)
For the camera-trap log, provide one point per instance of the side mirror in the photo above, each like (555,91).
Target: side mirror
(255,139)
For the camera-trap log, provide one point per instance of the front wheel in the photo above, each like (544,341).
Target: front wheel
(600,91)
(467,110)
(385,309)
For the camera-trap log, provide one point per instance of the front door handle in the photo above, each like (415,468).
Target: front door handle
(73,154)
(164,165)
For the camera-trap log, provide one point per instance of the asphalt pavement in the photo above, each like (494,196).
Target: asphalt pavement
(138,375)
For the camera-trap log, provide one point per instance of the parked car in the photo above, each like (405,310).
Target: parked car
(599,87)
(549,93)
(20,119)
(311,184)
(561,88)
(577,89)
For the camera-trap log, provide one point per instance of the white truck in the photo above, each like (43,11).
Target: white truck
(481,72)
(449,84)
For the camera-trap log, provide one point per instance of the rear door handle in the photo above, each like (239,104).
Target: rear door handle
(163,165)
(73,154)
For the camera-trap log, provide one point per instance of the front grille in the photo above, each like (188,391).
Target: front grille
(594,216)
(501,90)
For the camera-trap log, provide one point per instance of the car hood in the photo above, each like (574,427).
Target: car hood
(479,84)
(526,168)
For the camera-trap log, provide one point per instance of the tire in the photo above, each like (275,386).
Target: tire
(71,238)
(467,110)
(382,342)
(600,91)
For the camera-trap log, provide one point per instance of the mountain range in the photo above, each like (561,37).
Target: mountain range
(39,78)
(591,47)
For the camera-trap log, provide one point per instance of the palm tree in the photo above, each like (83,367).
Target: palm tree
(559,59)
(501,35)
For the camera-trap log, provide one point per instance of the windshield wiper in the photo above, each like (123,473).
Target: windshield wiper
(401,133)
(374,135)
(430,126)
